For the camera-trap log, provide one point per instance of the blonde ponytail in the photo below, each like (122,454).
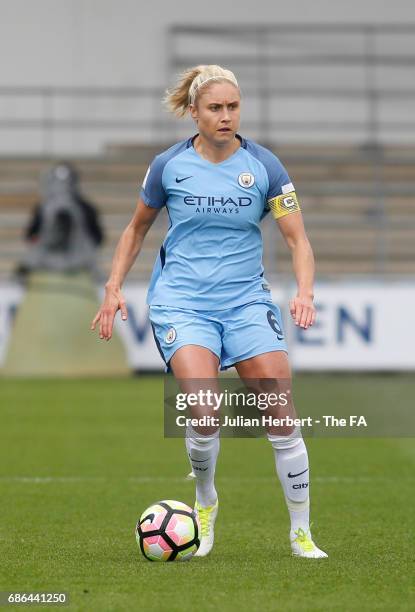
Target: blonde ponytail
(185,91)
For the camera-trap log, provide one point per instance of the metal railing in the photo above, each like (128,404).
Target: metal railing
(301,83)
(340,78)
(52,111)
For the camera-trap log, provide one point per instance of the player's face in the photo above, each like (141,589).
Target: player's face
(217,112)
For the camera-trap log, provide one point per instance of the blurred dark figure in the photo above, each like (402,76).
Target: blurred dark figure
(60,274)
(65,231)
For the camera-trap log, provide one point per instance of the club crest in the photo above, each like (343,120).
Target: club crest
(246,179)
(170,336)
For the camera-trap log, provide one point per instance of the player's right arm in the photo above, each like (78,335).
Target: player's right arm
(127,250)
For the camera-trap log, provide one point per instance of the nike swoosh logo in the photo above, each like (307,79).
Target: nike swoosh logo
(182,179)
(198,460)
(295,475)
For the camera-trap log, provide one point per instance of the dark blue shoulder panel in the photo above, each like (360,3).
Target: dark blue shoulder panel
(152,191)
(277,174)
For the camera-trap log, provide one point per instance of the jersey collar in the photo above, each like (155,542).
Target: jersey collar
(190,141)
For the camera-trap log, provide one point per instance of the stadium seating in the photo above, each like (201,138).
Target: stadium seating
(358,205)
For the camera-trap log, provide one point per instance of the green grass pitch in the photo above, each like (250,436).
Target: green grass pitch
(80,460)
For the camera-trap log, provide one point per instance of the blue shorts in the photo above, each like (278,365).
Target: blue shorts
(233,334)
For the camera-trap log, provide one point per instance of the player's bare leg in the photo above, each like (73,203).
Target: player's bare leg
(291,458)
(192,366)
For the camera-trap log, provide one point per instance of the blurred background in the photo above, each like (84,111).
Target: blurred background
(328,86)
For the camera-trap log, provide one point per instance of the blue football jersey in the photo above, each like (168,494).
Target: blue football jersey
(211,257)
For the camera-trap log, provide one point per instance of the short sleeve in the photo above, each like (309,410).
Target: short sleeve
(279,181)
(152,190)
(280,197)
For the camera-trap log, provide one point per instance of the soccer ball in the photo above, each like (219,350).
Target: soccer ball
(168,531)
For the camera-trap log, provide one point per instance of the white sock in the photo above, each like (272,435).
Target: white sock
(203,452)
(291,461)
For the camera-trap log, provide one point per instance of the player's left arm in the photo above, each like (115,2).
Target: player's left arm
(281,200)
(292,228)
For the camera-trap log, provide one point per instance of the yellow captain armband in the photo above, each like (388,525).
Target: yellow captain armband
(284,204)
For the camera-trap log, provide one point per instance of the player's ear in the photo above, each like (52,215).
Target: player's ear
(193,112)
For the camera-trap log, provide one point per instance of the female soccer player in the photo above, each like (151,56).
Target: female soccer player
(210,305)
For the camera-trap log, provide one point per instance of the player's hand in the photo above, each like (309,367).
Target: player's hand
(114,301)
(303,311)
